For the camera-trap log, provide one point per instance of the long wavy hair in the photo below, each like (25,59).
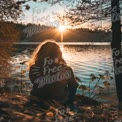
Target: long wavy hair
(48,48)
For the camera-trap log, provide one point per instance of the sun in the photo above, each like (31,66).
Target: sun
(62,28)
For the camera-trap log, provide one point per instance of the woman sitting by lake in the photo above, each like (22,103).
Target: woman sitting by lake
(52,79)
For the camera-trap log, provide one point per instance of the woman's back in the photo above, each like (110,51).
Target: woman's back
(51,77)
(53,84)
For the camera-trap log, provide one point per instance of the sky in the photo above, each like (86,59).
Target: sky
(43,13)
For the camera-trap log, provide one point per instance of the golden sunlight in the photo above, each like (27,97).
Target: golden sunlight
(62,47)
(62,28)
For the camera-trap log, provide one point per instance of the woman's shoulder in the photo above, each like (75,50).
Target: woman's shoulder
(65,66)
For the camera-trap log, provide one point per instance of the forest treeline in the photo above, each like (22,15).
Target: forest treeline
(31,32)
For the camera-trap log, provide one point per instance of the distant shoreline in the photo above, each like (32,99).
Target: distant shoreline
(68,43)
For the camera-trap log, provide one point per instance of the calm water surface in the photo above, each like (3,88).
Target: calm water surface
(88,60)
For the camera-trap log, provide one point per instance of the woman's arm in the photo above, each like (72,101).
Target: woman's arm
(34,73)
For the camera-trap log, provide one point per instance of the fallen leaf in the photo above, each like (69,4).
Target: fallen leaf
(106,84)
(50,114)
(23,71)
(83,87)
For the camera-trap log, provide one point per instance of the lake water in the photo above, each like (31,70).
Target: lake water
(84,60)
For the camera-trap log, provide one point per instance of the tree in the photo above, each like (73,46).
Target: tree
(8,36)
(9,10)
(90,11)
(8,33)
(116,46)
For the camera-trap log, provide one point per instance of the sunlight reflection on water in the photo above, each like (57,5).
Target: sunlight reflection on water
(88,60)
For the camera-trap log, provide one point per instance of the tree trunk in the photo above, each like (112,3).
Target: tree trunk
(116,46)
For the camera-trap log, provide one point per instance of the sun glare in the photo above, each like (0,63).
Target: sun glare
(62,28)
